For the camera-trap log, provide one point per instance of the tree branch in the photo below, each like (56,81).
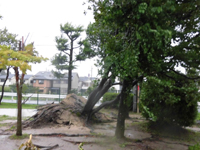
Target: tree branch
(66,53)
(119,83)
(107,103)
(2,92)
(191,78)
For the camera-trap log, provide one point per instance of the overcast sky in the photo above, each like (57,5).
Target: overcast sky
(41,19)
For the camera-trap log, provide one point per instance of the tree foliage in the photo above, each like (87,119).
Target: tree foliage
(9,57)
(8,39)
(19,59)
(170,101)
(66,45)
(137,39)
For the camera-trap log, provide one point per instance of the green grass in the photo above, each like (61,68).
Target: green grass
(5,117)
(14,105)
(198,116)
(14,137)
(3,124)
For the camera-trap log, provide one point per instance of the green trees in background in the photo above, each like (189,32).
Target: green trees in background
(66,45)
(26,88)
(8,39)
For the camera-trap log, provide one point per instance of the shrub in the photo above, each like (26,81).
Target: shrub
(112,96)
(6,89)
(170,102)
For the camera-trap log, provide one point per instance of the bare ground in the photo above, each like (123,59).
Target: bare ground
(100,136)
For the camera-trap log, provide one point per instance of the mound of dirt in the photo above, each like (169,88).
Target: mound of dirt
(67,112)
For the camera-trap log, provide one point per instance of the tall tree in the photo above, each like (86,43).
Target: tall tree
(136,39)
(19,60)
(66,45)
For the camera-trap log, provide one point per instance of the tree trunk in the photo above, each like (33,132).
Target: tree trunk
(19,105)
(2,92)
(119,132)
(96,94)
(70,69)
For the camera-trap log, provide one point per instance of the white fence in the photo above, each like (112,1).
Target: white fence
(34,98)
(35,95)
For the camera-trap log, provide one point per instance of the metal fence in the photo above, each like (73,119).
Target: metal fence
(33,98)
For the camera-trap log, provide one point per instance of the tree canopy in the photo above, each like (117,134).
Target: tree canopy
(9,57)
(137,39)
(66,45)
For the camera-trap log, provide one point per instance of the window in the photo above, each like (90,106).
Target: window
(2,80)
(41,81)
(34,81)
(41,91)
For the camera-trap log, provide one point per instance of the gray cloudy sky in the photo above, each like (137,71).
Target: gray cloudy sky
(41,19)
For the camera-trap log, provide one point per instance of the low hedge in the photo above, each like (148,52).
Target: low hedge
(112,96)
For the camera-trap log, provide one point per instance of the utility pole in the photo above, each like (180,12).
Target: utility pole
(138,101)
(135,98)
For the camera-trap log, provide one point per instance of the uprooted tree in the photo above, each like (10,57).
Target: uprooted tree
(137,39)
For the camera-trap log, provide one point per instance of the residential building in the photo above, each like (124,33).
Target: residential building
(3,78)
(85,83)
(48,83)
(43,81)
(62,84)
(27,79)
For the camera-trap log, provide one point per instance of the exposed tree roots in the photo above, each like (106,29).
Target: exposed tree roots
(67,112)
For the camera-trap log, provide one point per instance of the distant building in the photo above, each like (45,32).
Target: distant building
(48,83)
(85,83)
(43,81)
(62,83)
(27,79)
(3,78)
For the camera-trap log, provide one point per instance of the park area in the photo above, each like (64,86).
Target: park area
(61,127)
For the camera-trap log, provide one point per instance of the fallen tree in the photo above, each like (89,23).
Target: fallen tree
(67,112)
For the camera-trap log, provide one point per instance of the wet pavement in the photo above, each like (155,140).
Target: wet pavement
(13,112)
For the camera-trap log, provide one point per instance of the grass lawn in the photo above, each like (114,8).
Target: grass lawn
(5,117)
(14,105)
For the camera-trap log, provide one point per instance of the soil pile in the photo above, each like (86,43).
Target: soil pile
(67,112)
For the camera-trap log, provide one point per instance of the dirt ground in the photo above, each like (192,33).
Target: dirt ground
(99,136)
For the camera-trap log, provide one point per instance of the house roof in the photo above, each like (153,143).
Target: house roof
(47,75)
(27,76)
(44,75)
(4,76)
(73,75)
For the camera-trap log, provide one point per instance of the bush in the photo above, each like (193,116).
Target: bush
(6,89)
(170,102)
(112,96)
